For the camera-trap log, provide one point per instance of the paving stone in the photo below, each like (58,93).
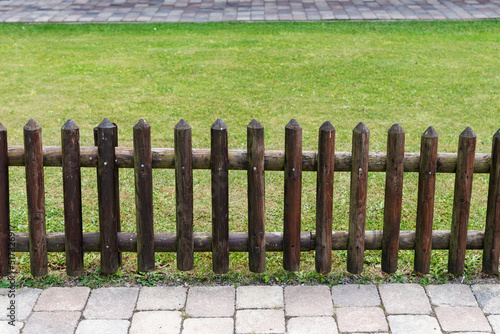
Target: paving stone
(260,321)
(301,325)
(304,301)
(6,328)
(495,323)
(355,295)
(161,298)
(111,303)
(161,322)
(361,319)
(451,295)
(259,297)
(52,322)
(488,297)
(404,299)
(25,299)
(208,326)
(103,327)
(461,319)
(413,324)
(201,301)
(62,299)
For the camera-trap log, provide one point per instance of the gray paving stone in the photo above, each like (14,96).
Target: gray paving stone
(62,299)
(494,321)
(25,300)
(355,295)
(156,322)
(361,319)
(413,324)
(301,325)
(488,297)
(201,301)
(6,328)
(52,322)
(451,295)
(208,326)
(111,303)
(404,299)
(161,298)
(260,321)
(259,297)
(304,301)
(462,319)
(103,327)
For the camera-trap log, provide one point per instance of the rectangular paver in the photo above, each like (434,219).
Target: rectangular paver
(404,299)
(211,301)
(451,295)
(488,297)
(208,326)
(301,325)
(161,298)
(103,327)
(63,299)
(111,303)
(361,319)
(52,322)
(413,324)
(462,319)
(164,322)
(259,297)
(355,295)
(260,321)
(303,301)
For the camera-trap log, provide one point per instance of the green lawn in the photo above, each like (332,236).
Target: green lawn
(444,74)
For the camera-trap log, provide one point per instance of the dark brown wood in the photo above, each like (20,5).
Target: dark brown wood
(35,194)
(143,175)
(220,197)
(273,160)
(184,195)
(425,202)
(5,244)
(108,221)
(256,198)
(461,201)
(72,191)
(491,252)
(293,196)
(117,189)
(357,207)
(324,198)
(393,197)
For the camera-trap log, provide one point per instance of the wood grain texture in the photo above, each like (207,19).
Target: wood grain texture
(425,201)
(491,250)
(357,206)
(184,195)
(393,197)
(324,198)
(35,194)
(5,251)
(292,196)
(72,191)
(256,198)
(143,176)
(461,201)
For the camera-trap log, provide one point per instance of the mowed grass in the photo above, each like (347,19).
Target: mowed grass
(444,74)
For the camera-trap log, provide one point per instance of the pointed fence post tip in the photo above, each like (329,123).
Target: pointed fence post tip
(70,125)
(219,125)
(2,127)
(361,128)
(327,126)
(32,125)
(293,124)
(141,124)
(468,133)
(106,123)
(430,133)
(182,125)
(496,135)
(254,124)
(396,128)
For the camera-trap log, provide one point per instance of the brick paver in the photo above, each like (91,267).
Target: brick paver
(304,301)
(355,295)
(103,327)
(94,11)
(451,295)
(404,299)
(462,319)
(211,301)
(208,326)
(63,299)
(413,324)
(361,319)
(488,296)
(259,297)
(301,325)
(111,303)
(161,298)
(165,322)
(494,321)
(260,321)
(52,322)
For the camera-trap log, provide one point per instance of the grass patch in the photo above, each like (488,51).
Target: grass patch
(444,74)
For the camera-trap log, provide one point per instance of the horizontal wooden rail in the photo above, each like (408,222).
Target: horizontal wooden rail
(238,241)
(273,160)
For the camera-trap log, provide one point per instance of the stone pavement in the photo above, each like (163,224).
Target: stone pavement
(93,11)
(387,308)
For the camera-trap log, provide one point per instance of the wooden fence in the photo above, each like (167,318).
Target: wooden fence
(107,157)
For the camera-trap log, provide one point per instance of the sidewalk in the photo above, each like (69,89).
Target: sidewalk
(387,308)
(106,11)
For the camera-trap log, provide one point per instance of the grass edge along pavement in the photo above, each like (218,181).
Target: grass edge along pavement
(446,94)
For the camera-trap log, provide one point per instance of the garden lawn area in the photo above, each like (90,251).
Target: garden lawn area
(418,74)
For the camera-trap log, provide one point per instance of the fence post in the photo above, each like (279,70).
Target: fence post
(357,207)
(143,176)
(461,201)
(220,197)
(425,203)
(106,185)
(36,197)
(293,194)
(491,248)
(72,190)
(184,195)
(256,198)
(324,198)
(4,204)
(393,197)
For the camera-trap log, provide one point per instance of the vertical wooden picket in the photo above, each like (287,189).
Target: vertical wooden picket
(4,204)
